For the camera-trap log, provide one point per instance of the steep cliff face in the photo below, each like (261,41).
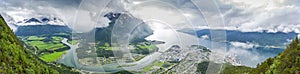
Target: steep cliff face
(123,25)
(14,58)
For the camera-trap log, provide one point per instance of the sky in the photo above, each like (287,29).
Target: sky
(243,15)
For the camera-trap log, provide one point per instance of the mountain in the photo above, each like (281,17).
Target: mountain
(287,62)
(14,58)
(30,30)
(124,24)
(33,20)
(40,26)
(41,21)
(262,38)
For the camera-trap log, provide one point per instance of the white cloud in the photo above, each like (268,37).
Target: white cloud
(81,15)
(204,37)
(272,15)
(243,45)
(244,15)
(25,9)
(167,11)
(248,57)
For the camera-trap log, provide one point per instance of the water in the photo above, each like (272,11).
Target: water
(248,56)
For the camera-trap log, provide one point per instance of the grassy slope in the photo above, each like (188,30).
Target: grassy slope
(287,62)
(52,57)
(35,38)
(42,45)
(14,58)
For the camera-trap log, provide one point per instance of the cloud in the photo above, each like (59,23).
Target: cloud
(176,13)
(24,9)
(248,58)
(271,15)
(243,45)
(247,54)
(243,15)
(81,15)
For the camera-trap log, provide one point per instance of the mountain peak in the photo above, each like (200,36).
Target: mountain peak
(45,19)
(33,20)
(112,16)
(41,21)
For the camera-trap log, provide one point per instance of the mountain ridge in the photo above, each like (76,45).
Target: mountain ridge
(30,30)
(41,21)
(16,59)
(121,22)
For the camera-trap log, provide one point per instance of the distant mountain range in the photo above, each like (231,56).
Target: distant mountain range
(38,26)
(127,25)
(41,21)
(13,23)
(31,30)
(262,38)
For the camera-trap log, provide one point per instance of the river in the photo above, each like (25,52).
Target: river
(170,37)
(178,38)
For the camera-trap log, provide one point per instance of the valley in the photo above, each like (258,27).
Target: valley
(48,48)
(149,37)
(147,50)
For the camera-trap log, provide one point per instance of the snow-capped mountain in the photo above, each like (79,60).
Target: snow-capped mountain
(41,21)
(41,26)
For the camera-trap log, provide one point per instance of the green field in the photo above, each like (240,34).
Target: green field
(56,38)
(53,56)
(44,42)
(39,41)
(35,38)
(106,46)
(46,45)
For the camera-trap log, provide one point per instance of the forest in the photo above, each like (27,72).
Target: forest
(287,62)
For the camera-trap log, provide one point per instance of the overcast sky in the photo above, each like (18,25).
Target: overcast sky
(244,15)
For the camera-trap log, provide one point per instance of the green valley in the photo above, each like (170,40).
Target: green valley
(48,47)
(16,59)
(52,57)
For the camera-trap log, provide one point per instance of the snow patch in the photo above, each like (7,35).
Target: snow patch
(40,21)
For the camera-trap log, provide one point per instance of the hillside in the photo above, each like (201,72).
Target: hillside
(287,62)
(15,59)
(122,22)
(262,38)
(30,30)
